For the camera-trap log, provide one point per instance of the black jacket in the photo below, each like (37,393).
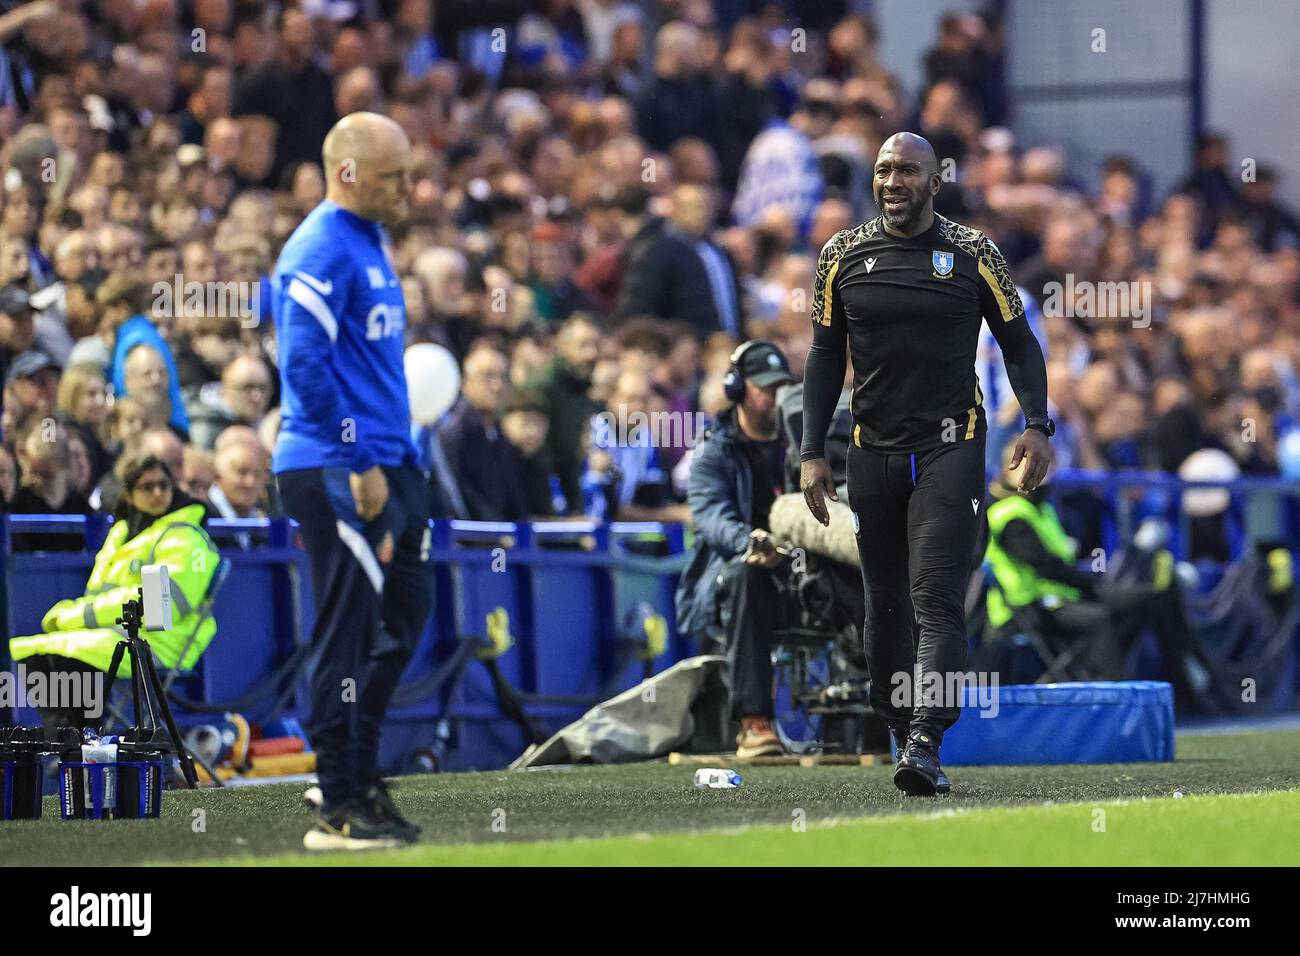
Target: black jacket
(485,465)
(673,108)
(721,497)
(665,277)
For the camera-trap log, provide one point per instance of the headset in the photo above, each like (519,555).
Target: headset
(733,386)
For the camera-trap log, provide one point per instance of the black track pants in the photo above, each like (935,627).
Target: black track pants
(917,520)
(369,614)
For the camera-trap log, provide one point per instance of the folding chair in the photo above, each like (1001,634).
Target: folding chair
(1058,655)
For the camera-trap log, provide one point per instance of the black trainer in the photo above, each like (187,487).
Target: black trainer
(382,805)
(918,773)
(354,826)
(942,784)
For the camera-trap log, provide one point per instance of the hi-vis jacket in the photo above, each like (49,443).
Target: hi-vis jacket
(1017,584)
(84,628)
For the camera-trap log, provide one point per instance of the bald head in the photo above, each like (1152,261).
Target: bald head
(911,147)
(367,160)
(246,388)
(163,443)
(242,466)
(905,182)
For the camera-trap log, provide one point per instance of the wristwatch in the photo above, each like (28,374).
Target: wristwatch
(1043,423)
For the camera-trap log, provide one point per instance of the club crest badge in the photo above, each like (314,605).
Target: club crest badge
(942,264)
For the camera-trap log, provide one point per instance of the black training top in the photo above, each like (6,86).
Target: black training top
(910,311)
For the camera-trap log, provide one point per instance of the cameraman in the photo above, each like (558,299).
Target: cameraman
(731,580)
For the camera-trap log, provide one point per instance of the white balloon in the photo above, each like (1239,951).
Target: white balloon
(1208,464)
(432,381)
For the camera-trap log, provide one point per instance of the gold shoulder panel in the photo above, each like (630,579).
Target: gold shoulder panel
(992,266)
(828,263)
(965,238)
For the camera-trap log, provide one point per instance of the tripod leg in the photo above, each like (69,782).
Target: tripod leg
(116,662)
(183,755)
(137,686)
(114,665)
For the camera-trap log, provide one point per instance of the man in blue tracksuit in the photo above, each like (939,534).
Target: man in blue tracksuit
(346,470)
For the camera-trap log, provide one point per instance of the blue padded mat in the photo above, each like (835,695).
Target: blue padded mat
(1093,722)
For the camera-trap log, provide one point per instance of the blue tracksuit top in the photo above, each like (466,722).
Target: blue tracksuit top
(340,323)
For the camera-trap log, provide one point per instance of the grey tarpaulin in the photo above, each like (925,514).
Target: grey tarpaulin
(682,708)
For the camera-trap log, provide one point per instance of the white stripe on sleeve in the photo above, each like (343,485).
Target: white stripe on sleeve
(310,300)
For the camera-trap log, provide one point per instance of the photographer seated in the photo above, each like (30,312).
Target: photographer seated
(1033,564)
(732,578)
(156,524)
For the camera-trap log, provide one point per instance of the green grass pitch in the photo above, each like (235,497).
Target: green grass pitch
(1239,804)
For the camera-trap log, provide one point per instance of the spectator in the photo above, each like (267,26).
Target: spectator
(20,221)
(624,480)
(124,327)
(81,314)
(31,386)
(147,381)
(46,487)
(243,469)
(1271,225)
(681,273)
(211,346)
(292,91)
(680,100)
(1209,180)
(562,387)
(601,275)
(199,473)
(555,293)
(242,398)
(83,407)
(482,461)
(16,328)
(524,423)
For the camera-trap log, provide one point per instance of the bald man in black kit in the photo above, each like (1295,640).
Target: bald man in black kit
(905,294)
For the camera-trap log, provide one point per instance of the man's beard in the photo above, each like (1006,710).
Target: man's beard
(764,423)
(901,220)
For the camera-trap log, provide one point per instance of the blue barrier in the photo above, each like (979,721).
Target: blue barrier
(571,589)
(257,610)
(1257,508)
(567,588)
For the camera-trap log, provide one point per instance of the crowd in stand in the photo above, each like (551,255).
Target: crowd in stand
(607,197)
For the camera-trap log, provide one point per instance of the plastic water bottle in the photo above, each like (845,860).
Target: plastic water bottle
(102,751)
(712,779)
